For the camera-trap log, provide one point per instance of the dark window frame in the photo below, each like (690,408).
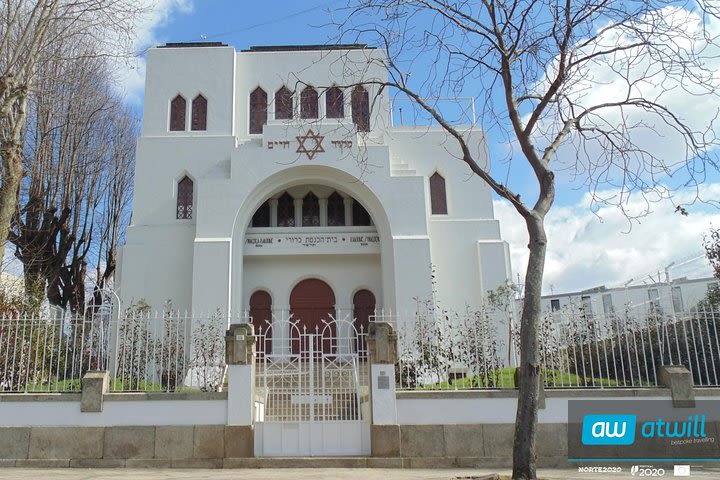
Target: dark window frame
(178,112)
(334,103)
(184,206)
(310,210)
(258,111)
(360,101)
(283,104)
(309,103)
(336,210)
(198,121)
(286,211)
(438,194)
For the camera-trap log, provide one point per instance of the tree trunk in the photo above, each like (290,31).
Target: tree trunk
(524,453)
(11,153)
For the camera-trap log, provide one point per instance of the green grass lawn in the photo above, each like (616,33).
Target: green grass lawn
(505,378)
(116,385)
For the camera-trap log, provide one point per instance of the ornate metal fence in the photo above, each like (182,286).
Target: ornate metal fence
(163,351)
(443,352)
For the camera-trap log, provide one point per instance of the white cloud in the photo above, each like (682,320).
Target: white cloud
(587,250)
(130,73)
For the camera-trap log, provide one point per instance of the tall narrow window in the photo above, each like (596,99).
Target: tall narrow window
(177,114)
(361,109)
(261,218)
(185,199)
(438,199)
(336,210)
(286,211)
(309,103)
(311,211)
(199,113)
(283,104)
(361,217)
(258,110)
(334,103)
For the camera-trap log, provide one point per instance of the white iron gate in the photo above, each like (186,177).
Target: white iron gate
(312,392)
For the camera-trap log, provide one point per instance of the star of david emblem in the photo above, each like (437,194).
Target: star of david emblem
(315,148)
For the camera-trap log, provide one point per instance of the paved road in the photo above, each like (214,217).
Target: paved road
(304,474)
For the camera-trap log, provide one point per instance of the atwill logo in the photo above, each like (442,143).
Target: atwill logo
(608,429)
(620,429)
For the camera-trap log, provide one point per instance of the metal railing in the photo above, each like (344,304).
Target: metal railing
(143,351)
(441,352)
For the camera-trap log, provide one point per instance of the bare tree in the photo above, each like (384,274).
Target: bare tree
(79,150)
(29,32)
(588,88)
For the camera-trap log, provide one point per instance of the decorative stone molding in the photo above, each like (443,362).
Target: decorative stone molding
(240,344)
(382,343)
(680,382)
(94,386)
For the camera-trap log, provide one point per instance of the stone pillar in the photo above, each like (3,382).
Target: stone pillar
(240,360)
(680,382)
(382,351)
(273,212)
(348,203)
(94,386)
(323,212)
(298,211)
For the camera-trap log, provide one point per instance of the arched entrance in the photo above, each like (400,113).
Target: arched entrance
(363,309)
(312,305)
(261,317)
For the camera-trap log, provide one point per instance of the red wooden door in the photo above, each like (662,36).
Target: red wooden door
(312,303)
(363,309)
(261,314)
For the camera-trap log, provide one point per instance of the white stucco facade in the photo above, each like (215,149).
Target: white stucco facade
(216,259)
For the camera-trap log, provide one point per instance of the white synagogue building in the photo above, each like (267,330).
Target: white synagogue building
(273,179)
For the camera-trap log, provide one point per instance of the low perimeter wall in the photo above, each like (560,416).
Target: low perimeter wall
(434,429)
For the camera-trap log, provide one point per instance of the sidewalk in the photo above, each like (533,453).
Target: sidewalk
(307,473)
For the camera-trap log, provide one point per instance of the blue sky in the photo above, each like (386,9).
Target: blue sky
(586,248)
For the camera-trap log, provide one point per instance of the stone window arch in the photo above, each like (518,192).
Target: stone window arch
(283,104)
(438,197)
(311,210)
(361,109)
(334,103)
(185,199)
(177,114)
(199,113)
(258,110)
(309,103)
(286,211)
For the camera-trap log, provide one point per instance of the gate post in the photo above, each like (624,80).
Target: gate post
(382,350)
(240,361)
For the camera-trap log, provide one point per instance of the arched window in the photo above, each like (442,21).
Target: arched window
(311,211)
(361,109)
(438,200)
(336,210)
(199,113)
(363,309)
(258,110)
(261,317)
(283,104)
(177,114)
(261,218)
(286,211)
(185,199)
(361,217)
(309,103)
(334,103)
